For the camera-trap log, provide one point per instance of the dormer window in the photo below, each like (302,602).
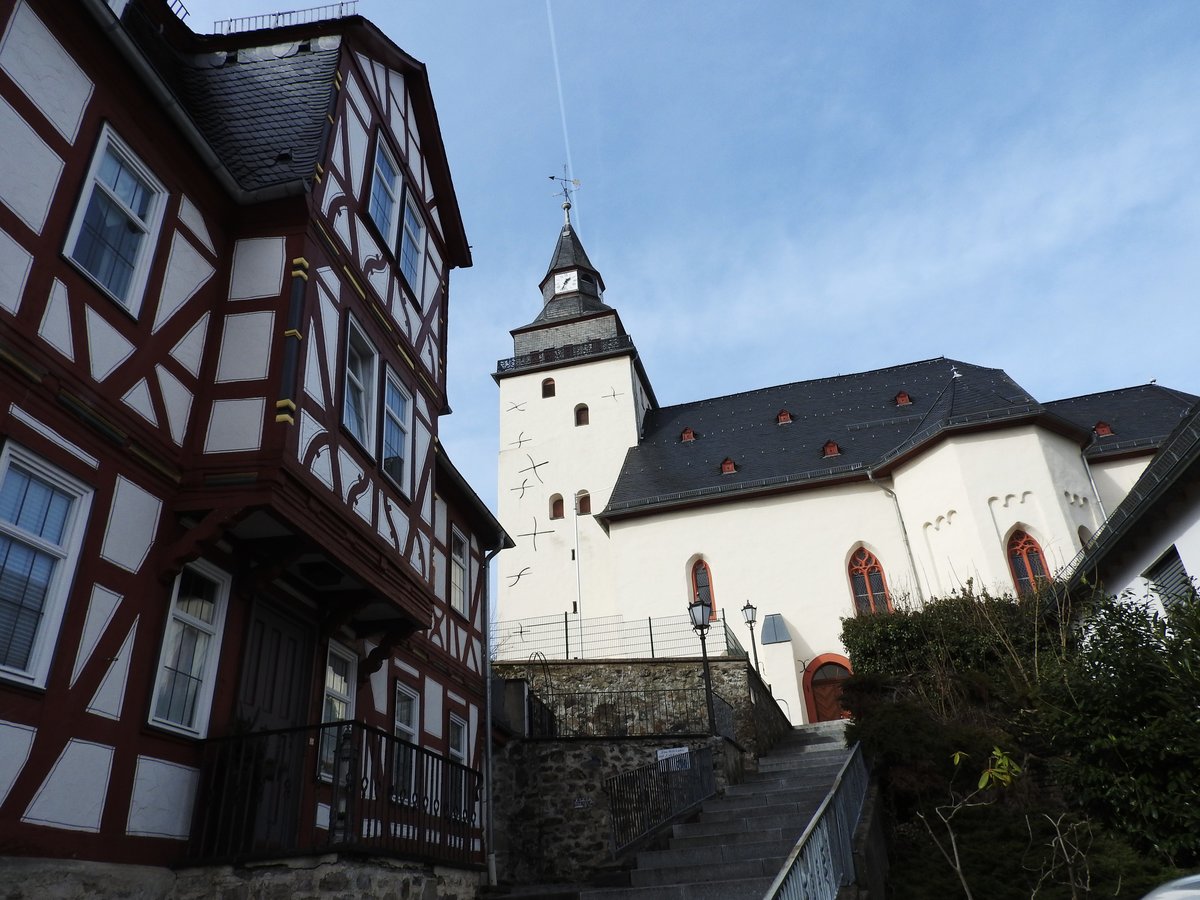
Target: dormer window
(1102,429)
(783,417)
(831,449)
(728,466)
(688,435)
(902,399)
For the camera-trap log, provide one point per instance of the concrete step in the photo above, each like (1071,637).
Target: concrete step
(760,813)
(718,871)
(726,825)
(769,799)
(738,889)
(715,854)
(788,831)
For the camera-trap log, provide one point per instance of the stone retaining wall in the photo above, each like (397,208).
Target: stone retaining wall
(552,813)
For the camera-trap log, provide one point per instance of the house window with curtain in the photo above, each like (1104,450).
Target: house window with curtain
(1026,561)
(702,587)
(358,397)
(458,572)
(868,583)
(340,677)
(405,784)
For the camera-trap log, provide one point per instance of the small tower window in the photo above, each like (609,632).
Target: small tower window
(688,435)
(902,399)
(581,415)
(783,418)
(547,387)
(556,506)
(832,449)
(1102,429)
(583,503)
(728,466)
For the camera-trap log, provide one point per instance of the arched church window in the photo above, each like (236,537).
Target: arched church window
(581,415)
(556,506)
(1026,560)
(868,583)
(547,387)
(583,503)
(702,587)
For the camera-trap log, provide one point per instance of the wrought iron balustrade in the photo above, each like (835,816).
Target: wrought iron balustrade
(595,347)
(341,786)
(629,713)
(642,799)
(822,861)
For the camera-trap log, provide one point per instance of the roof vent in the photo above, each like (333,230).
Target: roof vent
(832,449)
(783,418)
(728,466)
(902,399)
(1102,429)
(688,435)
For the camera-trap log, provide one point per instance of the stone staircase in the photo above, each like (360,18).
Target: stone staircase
(736,846)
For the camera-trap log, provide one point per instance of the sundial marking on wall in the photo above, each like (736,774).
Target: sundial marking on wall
(612,394)
(521,440)
(518,576)
(524,485)
(534,534)
(519,407)
(533,467)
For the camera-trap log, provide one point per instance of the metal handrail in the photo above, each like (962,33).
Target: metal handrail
(644,799)
(822,860)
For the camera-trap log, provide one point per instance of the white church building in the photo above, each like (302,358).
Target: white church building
(815,500)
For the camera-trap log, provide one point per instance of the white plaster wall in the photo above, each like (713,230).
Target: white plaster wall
(1114,479)
(1157,533)
(586,457)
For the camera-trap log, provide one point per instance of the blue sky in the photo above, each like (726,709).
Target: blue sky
(777,190)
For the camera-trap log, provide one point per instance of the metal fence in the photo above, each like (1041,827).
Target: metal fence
(331,787)
(628,713)
(823,859)
(642,799)
(291,17)
(609,637)
(594,347)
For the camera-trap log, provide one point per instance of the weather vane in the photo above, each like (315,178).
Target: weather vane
(568,187)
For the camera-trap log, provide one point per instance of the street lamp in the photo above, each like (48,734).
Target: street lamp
(750,614)
(700,610)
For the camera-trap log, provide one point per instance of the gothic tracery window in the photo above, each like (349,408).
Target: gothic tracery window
(868,583)
(702,587)
(1026,560)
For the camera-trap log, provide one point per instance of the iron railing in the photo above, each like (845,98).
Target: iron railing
(595,347)
(282,19)
(628,713)
(823,859)
(610,637)
(341,786)
(643,799)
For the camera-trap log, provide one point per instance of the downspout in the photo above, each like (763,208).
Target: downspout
(489,818)
(912,562)
(1092,481)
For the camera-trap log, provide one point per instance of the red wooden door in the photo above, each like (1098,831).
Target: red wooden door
(827,692)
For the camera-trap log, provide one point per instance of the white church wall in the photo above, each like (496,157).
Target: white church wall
(1115,478)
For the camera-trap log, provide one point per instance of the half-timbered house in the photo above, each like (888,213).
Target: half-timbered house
(226,522)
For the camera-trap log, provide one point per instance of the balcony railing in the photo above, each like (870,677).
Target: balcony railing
(628,714)
(597,347)
(342,786)
(643,799)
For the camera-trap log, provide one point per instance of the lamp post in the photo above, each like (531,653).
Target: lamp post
(750,614)
(700,610)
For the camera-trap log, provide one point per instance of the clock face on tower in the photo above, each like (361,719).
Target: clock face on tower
(566,281)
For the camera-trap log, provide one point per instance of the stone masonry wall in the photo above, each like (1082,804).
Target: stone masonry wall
(552,810)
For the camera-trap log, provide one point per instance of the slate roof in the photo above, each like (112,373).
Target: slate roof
(569,253)
(859,412)
(1141,417)
(263,109)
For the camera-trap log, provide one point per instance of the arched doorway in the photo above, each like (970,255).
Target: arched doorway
(823,687)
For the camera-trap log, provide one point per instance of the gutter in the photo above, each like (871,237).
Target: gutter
(912,563)
(489,814)
(175,111)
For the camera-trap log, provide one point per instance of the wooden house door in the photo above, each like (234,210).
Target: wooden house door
(827,692)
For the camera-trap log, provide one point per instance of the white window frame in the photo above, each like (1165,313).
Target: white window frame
(457,802)
(365,382)
(460,594)
(403,479)
(215,630)
(65,553)
(150,227)
(412,231)
(351,659)
(394,191)
(411,735)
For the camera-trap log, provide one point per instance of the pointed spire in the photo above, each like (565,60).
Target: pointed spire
(569,252)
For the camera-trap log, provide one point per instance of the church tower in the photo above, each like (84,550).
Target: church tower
(572,401)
